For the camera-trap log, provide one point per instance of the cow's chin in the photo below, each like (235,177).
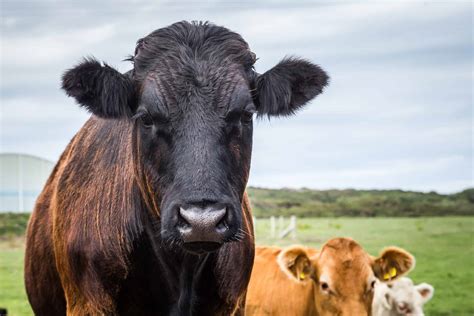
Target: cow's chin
(201,247)
(175,243)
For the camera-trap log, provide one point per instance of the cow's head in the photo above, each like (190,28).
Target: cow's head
(402,297)
(191,97)
(344,274)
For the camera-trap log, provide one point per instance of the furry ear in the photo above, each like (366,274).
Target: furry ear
(392,264)
(288,86)
(426,291)
(294,261)
(102,90)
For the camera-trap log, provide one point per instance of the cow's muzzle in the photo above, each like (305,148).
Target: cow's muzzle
(204,228)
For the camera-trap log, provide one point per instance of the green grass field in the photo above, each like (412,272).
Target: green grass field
(443,247)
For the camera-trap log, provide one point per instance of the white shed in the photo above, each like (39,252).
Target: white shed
(22,178)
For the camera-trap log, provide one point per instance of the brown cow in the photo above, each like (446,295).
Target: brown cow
(338,280)
(146,213)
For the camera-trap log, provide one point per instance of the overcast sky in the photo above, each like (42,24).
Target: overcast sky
(397,114)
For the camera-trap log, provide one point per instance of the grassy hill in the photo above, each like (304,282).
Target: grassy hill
(365,203)
(327,203)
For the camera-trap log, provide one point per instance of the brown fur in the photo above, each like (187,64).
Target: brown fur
(272,292)
(82,234)
(277,288)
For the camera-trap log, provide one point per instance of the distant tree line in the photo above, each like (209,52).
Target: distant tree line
(325,203)
(365,203)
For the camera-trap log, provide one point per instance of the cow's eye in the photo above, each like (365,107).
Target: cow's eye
(324,287)
(372,285)
(146,120)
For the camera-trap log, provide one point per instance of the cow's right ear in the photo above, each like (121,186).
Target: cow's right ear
(392,264)
(426,291)
(288,86)
(294,261)
(100,89)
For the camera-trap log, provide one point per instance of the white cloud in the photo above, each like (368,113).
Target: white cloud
(398,112)
(42,50)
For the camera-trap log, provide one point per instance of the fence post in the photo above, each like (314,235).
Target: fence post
(293,226)
(291,229)
(280,224)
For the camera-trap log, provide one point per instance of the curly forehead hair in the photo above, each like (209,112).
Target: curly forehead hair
(183,42)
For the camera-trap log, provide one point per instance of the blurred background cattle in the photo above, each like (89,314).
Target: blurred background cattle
(401,297)
(338,279)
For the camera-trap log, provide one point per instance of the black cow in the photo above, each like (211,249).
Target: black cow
(146,212)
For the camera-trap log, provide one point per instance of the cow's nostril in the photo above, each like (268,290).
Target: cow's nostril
(222,226)
(182,222)
(402,305)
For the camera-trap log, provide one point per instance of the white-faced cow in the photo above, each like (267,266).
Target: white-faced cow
(401,298)
(339,279)
(146,213)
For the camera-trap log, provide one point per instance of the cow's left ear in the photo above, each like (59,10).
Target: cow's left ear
(392,264)
(100,89)
(294,261)
(426,291)
(288,86)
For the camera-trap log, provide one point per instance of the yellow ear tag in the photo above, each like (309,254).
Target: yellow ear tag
(390,274)
(393,272)
(302,276)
